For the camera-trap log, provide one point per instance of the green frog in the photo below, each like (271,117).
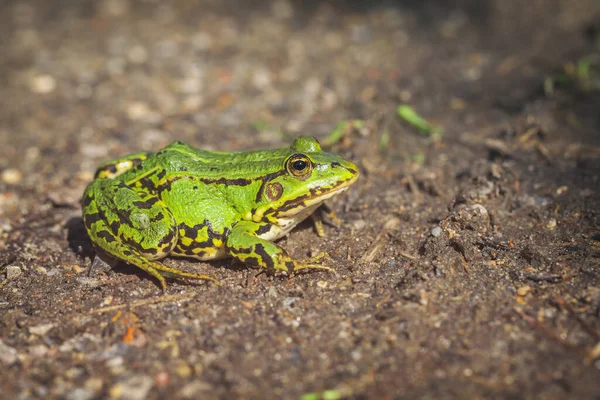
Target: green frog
(183,201)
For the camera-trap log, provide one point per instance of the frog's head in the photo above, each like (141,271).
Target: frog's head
(307,177)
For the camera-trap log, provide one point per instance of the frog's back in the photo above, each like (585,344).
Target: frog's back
(225,157)
(179,156)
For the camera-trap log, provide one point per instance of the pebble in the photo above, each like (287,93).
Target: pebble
(137,55)
(272,292)
(74,373)
(322,284)
(162,379)
(134,388)
(437,231)
(138,110)
(12,272)
(38,351)
(77,269)
(42,84)
(11,176)
(115,362)
(359,224)
(523,290)
(91,150)
(41,270)
(81,394)
(8,355)
(193,389)
(41,329)
(183,370)
(551,224)
(290,301)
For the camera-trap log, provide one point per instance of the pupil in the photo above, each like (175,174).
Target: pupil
(299,165)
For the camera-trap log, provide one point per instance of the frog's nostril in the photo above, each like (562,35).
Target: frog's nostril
(335,165)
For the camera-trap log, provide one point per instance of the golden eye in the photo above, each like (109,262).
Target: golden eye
(299,166)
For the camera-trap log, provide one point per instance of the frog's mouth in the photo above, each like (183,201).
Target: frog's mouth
(310,201)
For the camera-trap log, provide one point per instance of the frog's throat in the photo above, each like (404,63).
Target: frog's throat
(296,207)
(291,208)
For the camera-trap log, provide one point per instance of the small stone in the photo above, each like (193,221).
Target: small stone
(74,373)
(87,281)
(11,176)
(272,292)
(93,384)
(41,329)
(523,290)
(162,379)
(80,394)
(437,231)
(8,355)
(41,270)
(38,351)
(77,269)
(90,150)
(359,224)
(13,272)
(261,78)
(551,224)
(290,301)
(192,390)
(561,190)
(115,362)
(42,84)
(183,370)
(135,388)
(138,111)
(137,55)
(322,284)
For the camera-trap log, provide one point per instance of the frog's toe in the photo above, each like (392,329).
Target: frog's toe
(317,257)
(302,266)
(313,263)
(178,274)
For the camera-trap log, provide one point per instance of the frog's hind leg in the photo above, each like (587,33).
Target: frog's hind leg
(134,227)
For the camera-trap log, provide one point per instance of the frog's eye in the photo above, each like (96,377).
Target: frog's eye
(299,166)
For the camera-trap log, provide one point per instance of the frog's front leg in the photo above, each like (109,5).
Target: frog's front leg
(134,227)
(244,243)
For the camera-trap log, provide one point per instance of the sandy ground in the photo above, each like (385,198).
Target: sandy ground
(468,263)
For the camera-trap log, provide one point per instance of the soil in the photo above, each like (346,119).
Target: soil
(467,263)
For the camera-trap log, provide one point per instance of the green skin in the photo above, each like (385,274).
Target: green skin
(207,205)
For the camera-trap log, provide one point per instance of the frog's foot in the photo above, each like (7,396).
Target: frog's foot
(318,221)
(312,263)
(318,218)
(243,244)
(159,271)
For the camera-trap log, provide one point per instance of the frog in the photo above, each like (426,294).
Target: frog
(183,201)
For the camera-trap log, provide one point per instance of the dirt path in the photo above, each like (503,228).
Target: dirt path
(468,263)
